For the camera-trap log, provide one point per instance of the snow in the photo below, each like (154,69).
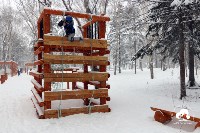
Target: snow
(179,2)
(131,94)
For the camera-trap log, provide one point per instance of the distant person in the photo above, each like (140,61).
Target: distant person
(68,24)
(18,72)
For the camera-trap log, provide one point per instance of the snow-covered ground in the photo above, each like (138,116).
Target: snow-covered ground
(131,98)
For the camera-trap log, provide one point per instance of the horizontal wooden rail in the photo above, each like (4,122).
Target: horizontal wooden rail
(36,74)
(39,50)
(85,43)
(97,84)
(71,111)
(39,62)
(75,94)
(73,14)
(74,77)
(169,113)
(38,87)
(39,111)
(74,58)
(37,97)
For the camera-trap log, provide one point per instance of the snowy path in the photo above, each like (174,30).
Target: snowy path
(131,98)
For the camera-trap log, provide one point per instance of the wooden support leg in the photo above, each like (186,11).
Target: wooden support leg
(197,125)
(73,85)
(162,117)
(67,85)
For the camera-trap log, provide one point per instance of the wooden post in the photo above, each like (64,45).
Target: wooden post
(47,69)
(102,29)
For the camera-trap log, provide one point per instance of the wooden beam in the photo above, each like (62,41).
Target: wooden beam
(38,87)
(39,50)
(97,84)
(39,62)
(76,14)
(103,75)
(81,79)
(75,94)
(39,111)
(74,58)
(36,74)
(85,62)
(71,111)
(37,97)
(86,43)
(29,64)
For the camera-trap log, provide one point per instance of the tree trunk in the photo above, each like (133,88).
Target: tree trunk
(135,60)
(151,66)
(140,63)
(181,57)
(191,58)
(191,67)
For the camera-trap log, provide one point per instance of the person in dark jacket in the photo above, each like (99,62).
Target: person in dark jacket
(68,24)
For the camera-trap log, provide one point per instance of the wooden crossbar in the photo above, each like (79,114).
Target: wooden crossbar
(36,74)
(39,50)
(37,97)
(71,111)
(85,43)
(39,111)
(38,87)
(75,94)
(97,84)
(74,77)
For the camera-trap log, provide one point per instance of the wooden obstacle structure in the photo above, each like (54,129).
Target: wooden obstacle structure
(13,67)
(164,116)
(88,52)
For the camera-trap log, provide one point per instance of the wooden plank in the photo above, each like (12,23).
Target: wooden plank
(75,94)
(169,113)
(39,62)
(81,79)
(85,43)
(74,58)
(94,75)
(76,14)
(85,62)
(38,87)
(38,108)
(97,84)
(37,97)
(39,50)
(36,74)
(71,111)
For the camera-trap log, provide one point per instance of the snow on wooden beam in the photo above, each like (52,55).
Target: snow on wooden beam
(38,87)
(37,97)
(85,43)
(38,108)
(39,62)
(75,94)
(71,111)
(97,84)
(36,74)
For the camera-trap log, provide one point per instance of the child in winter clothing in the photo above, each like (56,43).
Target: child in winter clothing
(68,24)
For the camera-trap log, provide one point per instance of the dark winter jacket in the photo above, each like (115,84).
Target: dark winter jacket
(68,26)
